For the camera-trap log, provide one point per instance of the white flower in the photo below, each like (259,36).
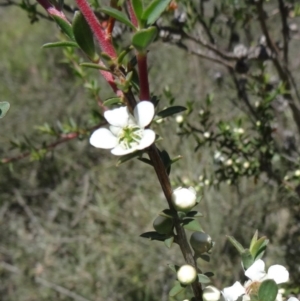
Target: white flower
(126,133)
(184,199)
(186,274)
(256,273)
(292,299)
(211,293)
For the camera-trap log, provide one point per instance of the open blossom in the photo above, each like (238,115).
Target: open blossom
(126,133)
(256,273)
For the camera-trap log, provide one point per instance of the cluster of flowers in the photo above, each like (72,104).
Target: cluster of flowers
(127,133)
(256,274)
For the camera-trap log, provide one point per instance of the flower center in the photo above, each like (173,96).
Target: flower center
(252,288)
(130,136)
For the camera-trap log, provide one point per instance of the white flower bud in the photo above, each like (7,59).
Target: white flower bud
(184,199)
(206,135)
(297,173)
(179,119)
(246,164)
(211,293)
(187,274)
(206,182)
(229,162)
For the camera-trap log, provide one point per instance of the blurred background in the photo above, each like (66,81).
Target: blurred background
(71,220)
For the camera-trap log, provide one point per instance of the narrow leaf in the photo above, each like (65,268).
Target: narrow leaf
(128,157)
(60,44)
(118,15)
(254,239)
(84,36)
(138,8)
(204,257)
(167,213)
(145,160)
(4,107)
(194,214)
(64,26)
(256,247)
(95,66)
(143,38)
(209,274)
(203,278)
(268,290)
(154,10)
(153,235)
(112,101)
(171,111)
(236,244)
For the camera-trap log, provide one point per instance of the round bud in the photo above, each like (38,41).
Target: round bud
(184,199)
(186,274)
(200,242)
(163,225)
(211,293)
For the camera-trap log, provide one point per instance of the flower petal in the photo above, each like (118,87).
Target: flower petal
(103,138)
(292,299)
(278,273)
(256,272)
(117,117)
(147,139)
(120,151)
(143,113)
(115,130)
(233,292)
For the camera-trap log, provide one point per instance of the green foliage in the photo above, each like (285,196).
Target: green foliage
(4,107)
(84,36)
(143,38)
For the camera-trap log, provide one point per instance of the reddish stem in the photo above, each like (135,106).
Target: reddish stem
(104,41)
(132,15)
(143,76)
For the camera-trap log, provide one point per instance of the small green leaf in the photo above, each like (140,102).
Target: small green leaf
(112,101)
(176,289)
(253,240)
(4,107)
(191,224)
(145,160)
(153,235)
(143,38)
(174,267)
(118,15)
(204,257)
(268,290)
(209,274)
(194,214)
(169,241)
(236,244)
(60,44)
(84,36)
(203,278)
(247,259)
(65,26)
(123,54)
(154,10)
(128,157)
(95,66)
(138,8)
(259,246)
(167,213)
(171,111)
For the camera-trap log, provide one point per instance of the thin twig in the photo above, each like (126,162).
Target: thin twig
(51,146)
(285,30)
